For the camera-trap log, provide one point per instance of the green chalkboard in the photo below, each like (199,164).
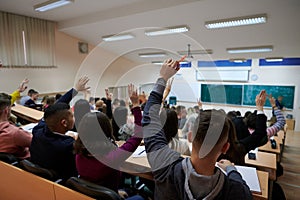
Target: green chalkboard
(224,94)
(250,92)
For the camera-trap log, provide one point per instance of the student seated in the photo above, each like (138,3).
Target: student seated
(280,120)
(50,147)
(13,140)
(239,148)
(98,158)
(196,177)
(17,93)
(31,103)
(169,119)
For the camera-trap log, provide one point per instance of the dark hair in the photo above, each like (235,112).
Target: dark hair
(57,96)
(54,109)
(5,100)
(238,113)
(95,135)
(179,108)
(231,114)
(81,107)
(122,102)
(50,100)
(197,109)
(119,119)
(247,114)
(169,120)
(31,92)
(55,113)
(212,123)
(251,120)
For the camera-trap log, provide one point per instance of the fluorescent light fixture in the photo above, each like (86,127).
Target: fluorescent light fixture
(237,21)
(204,51)
(152,55)
(110,38)
(48,5)
(166,31)
(274,59)
(157,62)
(161,62)
(257,49)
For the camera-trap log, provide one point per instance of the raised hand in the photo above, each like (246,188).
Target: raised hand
(260,100)
(81,84)
(23,85)
(133,95)
(272,100)
(108,95)
(168,69)
(168,88)
(199,102)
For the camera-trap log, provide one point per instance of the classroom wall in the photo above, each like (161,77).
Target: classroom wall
(185,83)
(108,70)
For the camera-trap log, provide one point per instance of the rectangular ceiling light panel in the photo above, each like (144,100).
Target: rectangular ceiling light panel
(48,5)
(258,49)
(111,38)
(152,55)
(166,31)
(237,21)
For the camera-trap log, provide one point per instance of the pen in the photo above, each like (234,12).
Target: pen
(141,152)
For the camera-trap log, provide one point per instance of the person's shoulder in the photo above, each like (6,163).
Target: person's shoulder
(234,189)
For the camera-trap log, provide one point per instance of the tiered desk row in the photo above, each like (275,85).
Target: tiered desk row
(29,185)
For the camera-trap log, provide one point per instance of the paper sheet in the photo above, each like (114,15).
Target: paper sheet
(139,152)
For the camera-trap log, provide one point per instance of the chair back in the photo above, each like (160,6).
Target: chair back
(8,158)
(39,171)
(91,189)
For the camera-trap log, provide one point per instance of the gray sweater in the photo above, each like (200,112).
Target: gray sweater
(175,177)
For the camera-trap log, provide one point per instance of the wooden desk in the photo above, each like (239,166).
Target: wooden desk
(281,135)
(264,162)
(290,124)
(138,166)
(64,193)
(29,114)
(263,178)
(267,148)
(17,184)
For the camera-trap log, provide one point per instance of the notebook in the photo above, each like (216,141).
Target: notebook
(139,152)
(29,127)
(249,175)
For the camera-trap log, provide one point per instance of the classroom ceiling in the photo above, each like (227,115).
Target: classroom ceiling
(89,20)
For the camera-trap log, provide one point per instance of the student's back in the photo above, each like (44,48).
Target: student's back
(50,148)
(195,177)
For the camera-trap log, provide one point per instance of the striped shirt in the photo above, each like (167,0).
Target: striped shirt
(280,122)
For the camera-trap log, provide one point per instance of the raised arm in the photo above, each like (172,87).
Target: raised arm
(119,155)
(79,87)
(16,94)
(280,121)
(167,89)
(254,140)
(108,103)
(158,152)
